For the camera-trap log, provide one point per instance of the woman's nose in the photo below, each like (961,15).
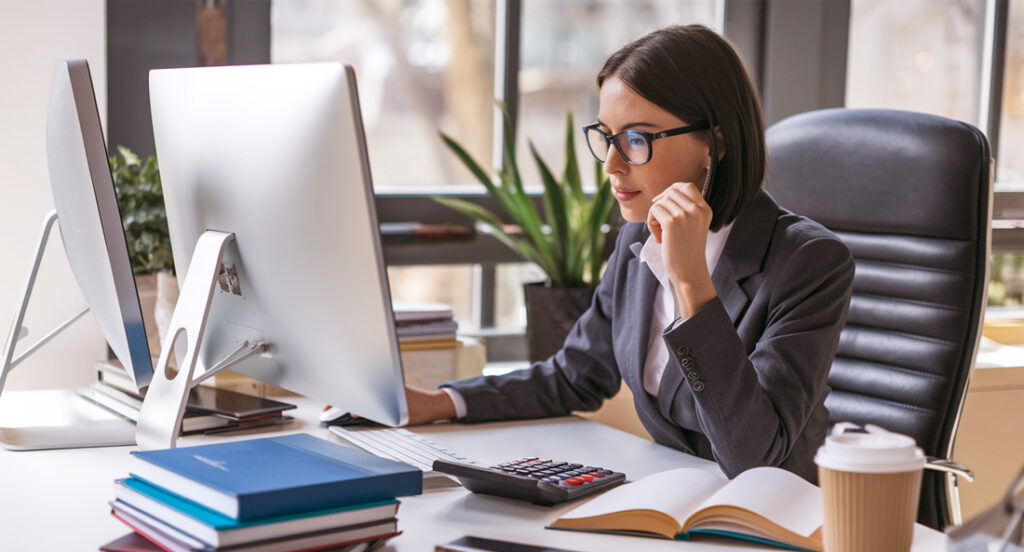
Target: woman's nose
(614,163)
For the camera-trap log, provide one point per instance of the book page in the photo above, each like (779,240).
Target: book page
(782,497)
(676,493)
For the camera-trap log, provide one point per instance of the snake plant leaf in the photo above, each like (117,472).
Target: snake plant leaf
(554,205)
(509,147)
(568,241)
(489,219)
(469,162)
(572,167)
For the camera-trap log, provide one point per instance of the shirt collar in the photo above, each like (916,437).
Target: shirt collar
(651,253)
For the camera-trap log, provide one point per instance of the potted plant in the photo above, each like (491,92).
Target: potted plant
(567,243)
(141,201)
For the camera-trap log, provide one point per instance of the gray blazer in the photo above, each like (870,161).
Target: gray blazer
(746,381)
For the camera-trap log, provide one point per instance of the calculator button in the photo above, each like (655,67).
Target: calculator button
(599,475)
(587,477)
(574,481)
(575,466)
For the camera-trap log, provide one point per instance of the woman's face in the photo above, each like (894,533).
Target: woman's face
(680,158)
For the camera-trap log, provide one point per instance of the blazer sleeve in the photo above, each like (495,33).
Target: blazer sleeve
(580,376)
(752,409)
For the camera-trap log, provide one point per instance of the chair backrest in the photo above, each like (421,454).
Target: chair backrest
(910,195)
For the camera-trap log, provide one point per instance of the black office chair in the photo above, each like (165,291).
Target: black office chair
(910,194)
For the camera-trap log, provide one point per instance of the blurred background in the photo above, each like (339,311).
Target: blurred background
(439,65)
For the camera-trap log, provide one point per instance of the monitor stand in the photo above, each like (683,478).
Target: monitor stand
(61,419)
(164,405)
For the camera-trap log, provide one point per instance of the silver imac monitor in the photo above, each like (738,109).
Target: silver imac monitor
(275,156)
(87,214)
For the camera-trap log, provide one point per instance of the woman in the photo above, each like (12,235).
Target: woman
(720,310)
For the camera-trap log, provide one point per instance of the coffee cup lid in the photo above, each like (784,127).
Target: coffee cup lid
(877,451)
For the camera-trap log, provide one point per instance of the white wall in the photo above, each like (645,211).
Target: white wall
(33,35)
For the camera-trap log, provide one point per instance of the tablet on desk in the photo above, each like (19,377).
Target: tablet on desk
(477,544)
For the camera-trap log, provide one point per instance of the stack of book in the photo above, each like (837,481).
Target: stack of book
(278,494)
(425,324)
(431,351)
(209,409)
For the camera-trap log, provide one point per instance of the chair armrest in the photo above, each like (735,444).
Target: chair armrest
(948,466)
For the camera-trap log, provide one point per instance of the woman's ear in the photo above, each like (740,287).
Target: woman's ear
(719,142)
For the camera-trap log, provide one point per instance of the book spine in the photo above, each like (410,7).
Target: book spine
(341,493)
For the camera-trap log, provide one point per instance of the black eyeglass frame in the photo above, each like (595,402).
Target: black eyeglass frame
(613,139)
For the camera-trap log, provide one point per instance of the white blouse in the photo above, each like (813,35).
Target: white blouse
(666,309)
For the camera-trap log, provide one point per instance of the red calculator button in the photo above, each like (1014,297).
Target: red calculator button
(599,475)
(574,481)
(587,477)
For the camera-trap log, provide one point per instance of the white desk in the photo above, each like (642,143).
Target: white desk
(57,500)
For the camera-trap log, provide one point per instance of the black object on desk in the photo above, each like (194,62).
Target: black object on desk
(477,544)
(544,482)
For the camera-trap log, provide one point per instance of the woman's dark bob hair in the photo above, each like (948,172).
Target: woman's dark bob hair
(696,75)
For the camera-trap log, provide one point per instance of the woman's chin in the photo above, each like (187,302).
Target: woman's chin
(632,214)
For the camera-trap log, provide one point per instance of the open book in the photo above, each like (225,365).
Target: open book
(767,505)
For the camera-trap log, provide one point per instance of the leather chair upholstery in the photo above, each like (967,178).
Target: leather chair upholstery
(910,195)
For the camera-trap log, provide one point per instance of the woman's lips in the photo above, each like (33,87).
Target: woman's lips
(624,195)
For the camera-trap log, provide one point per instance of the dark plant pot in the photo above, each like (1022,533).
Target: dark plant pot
(550,314)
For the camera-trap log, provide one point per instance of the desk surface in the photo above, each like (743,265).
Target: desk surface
(57,500)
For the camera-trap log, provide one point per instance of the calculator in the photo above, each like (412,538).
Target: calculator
(538,480)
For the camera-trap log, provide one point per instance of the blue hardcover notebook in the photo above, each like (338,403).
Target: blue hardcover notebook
(275,476)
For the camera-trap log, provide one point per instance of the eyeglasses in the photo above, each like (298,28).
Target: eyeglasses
(634,145)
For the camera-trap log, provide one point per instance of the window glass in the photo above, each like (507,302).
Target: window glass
(422,65)
(563,45)
(510,309)
(447,284)
(1006,286)
(1010,164)
(916,55)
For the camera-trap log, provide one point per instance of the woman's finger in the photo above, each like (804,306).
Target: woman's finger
(654,225)
(690,191)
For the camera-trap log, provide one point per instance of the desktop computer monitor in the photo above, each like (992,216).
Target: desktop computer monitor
(86,210)
(276,156)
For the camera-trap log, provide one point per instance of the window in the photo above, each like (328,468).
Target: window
(1011,136)
(425,65)
(422,65)
(927,55)
(563,46)
(916,55)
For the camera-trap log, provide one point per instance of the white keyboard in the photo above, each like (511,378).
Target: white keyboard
(400,445)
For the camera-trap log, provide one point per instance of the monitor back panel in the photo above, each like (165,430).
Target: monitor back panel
(276,155)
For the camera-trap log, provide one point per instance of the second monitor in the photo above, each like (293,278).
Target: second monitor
(276,156)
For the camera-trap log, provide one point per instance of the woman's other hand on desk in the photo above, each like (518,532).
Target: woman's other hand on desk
(424,407)
(428,406)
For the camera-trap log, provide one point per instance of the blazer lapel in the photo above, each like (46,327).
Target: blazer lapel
(640,308)
(744,253)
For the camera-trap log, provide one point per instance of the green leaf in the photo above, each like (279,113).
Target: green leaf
(570,252)
(572,168)
(468,161)
(509,147)
(554,205)
(491,220)
(140,198)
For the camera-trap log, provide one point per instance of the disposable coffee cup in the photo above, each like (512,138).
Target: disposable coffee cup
(871,484)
